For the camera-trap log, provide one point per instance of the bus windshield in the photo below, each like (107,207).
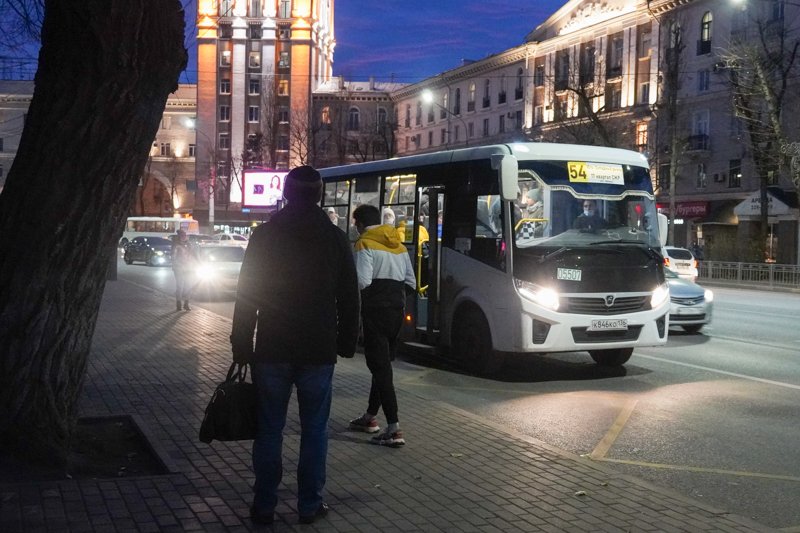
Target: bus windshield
(557,207)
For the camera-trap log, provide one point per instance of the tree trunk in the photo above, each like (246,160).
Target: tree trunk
(106,68)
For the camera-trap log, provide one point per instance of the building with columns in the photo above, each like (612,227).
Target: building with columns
(259,61)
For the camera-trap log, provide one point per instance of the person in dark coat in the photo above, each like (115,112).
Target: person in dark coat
(589,220)
(298,292)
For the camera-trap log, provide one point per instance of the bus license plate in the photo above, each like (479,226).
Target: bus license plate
(606,324)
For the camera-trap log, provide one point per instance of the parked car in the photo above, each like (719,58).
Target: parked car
(217,272)
(681,261)
(691,305)
(199,238)
(230,239)
(153,251)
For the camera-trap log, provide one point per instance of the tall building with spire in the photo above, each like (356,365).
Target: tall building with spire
(258,63)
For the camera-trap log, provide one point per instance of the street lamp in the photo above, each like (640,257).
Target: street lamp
(212,176)
(427,97)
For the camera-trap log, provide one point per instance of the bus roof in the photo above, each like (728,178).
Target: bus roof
(528,151)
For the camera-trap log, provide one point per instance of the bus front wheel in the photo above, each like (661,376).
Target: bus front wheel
(472,342)
(615,357)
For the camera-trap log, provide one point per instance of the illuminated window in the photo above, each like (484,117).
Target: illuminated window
(225,58)
(254,60)
(641,136)
(283,61)
(283,88)
(471,97)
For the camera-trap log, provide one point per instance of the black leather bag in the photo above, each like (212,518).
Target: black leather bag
(231,413)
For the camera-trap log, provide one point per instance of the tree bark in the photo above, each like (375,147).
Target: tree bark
(106,68)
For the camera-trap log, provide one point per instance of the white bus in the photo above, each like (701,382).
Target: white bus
(499,276)
(157,226)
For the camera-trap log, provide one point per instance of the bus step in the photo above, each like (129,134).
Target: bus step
(418,347)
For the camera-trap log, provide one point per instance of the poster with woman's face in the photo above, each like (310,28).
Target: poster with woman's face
(262,188)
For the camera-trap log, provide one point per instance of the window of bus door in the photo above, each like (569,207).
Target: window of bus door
(399,196)
(365,190)
(335,201)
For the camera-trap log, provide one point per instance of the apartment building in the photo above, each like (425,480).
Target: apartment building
(600,73)
(166,185)
(259,61)
(353,122)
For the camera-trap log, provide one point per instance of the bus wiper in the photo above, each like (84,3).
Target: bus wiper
(554,254)
(620,241)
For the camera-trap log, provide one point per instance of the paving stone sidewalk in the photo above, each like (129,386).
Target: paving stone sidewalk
(458,472)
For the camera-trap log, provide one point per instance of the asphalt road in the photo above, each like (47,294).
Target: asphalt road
(713,416)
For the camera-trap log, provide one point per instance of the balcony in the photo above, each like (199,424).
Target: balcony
(696,143)
(614,71)
(501,97)
(703,47)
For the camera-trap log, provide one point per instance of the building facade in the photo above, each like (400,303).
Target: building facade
(654,76)
(166,186)
(352,122)
(259,61)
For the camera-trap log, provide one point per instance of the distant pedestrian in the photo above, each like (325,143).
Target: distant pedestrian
(384,271)
(184,261)
(298,292)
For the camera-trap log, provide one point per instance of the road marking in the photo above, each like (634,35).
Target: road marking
(717,371)
(616,428)
(738,473)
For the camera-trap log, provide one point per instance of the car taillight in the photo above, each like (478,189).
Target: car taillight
(694,263)
(666,262)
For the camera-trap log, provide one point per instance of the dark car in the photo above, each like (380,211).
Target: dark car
(199,238)
(153,251)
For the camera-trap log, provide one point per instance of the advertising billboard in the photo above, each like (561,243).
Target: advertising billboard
(262,188)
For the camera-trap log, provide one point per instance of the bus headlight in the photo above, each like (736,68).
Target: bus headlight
(660,295)
(543,296)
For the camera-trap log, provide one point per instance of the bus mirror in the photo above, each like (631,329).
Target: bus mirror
(508,171)
(663,228)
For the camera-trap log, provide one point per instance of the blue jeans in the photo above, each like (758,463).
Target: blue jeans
(274,383)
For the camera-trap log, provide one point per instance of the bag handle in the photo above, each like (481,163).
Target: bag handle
(237,372)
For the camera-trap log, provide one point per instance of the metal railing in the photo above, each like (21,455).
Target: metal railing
(768,275)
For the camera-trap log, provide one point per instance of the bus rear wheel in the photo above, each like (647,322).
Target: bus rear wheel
(613,357)
(471,342)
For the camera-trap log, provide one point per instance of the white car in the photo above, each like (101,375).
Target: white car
(230,239)
(217,272)
(691,306)
(681,261)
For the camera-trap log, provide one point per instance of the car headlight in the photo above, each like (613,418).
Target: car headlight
(205,272)
(159,252)
(709,295)
(543,296)
(659,296)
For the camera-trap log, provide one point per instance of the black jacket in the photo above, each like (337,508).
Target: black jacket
(298,284)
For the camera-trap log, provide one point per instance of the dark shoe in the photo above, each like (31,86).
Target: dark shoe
(178,306)
(186,306)
(260,518)
(322,512)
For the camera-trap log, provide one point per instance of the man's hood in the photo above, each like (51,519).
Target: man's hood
(385,234)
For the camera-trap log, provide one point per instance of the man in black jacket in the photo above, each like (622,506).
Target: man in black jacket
(298,292)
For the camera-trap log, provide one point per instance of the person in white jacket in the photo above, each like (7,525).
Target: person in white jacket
(384,272)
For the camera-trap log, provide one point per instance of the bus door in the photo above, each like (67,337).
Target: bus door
(427,261)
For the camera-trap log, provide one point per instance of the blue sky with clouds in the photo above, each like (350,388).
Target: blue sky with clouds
(410,40)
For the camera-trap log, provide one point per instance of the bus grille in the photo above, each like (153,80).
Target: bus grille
(597,306)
